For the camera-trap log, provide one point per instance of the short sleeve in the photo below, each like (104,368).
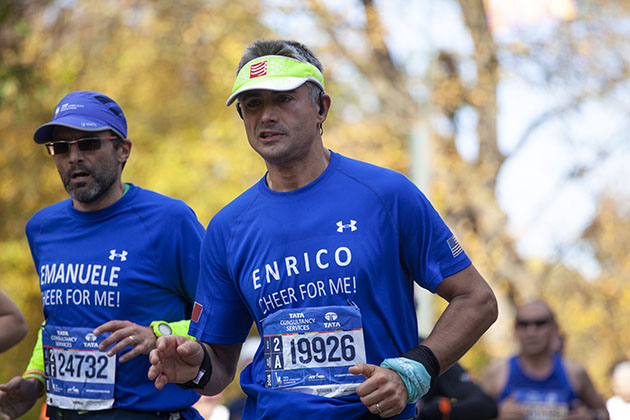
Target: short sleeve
(220,315)
(429,250)
(186,244)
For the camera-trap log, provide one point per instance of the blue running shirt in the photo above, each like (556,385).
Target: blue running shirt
(135,260)
(549,398)
(331,267)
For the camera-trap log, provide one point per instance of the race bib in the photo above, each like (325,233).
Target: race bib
(78,375)
(543,404)
(310,350)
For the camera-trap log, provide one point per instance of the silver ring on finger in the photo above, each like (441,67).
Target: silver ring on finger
(133,342)
(378,408)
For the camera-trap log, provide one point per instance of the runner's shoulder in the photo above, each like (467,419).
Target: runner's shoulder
(575,371)
(48,216)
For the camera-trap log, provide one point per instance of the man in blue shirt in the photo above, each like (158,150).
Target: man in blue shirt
(539,383)
(321,254)
(117,265)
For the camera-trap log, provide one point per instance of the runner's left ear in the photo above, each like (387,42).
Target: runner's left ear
(321,102)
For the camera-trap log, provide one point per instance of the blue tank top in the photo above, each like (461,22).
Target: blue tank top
(544,399)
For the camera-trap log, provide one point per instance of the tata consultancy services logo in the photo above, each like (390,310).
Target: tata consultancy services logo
(330,316)
(90,341)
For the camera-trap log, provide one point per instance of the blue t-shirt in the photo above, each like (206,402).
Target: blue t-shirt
(356,237)
(136,260)
(548,398)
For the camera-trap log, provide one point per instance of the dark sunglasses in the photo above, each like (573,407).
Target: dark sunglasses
(86,144)
(524,323)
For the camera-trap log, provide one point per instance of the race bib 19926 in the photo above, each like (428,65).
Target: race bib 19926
(310,350)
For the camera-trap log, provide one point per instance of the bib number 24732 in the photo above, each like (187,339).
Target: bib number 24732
(78,375)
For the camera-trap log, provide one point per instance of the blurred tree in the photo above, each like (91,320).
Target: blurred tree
(171,65)
(376,94)
(463,191)
(597,323)
(19,189)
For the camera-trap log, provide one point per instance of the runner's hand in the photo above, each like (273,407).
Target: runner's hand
(18,396)
(382,386)
(580,412)
(125,334)
(509,409)
(176,359)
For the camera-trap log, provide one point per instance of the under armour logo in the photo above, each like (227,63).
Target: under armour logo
(113,255)
(352,225)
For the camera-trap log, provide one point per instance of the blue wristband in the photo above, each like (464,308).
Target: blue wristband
(413,374)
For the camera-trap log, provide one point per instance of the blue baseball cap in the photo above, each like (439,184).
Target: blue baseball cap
(86,111)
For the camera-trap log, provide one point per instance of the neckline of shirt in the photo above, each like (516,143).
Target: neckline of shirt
(307,189)
(107,211)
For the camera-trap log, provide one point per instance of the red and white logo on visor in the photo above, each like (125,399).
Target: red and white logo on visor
(258,69)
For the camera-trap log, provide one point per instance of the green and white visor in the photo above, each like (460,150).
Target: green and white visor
(274,72)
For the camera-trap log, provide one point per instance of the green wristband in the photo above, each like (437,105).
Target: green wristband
(163,328)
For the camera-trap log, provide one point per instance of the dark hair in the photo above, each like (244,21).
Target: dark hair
(285,48)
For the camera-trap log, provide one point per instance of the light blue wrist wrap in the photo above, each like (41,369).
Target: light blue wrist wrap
(413,374)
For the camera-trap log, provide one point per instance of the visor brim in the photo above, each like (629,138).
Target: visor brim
(280,84)
(44,133)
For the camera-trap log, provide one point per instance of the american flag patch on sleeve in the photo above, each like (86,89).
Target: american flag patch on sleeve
(454,245)
(196,313)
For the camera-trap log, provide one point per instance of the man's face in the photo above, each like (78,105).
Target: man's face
(535,329)
(281,126)
(86,175)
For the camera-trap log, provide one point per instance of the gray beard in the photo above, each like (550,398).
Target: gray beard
(101,184)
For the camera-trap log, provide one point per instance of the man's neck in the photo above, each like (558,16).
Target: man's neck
(539,365)
(294,175)
(113,194)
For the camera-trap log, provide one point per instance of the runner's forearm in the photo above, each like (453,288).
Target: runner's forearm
(224,363)
(471,310)
(35,368)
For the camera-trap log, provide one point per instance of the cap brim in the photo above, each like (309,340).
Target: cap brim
(44,133)
(280,84)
